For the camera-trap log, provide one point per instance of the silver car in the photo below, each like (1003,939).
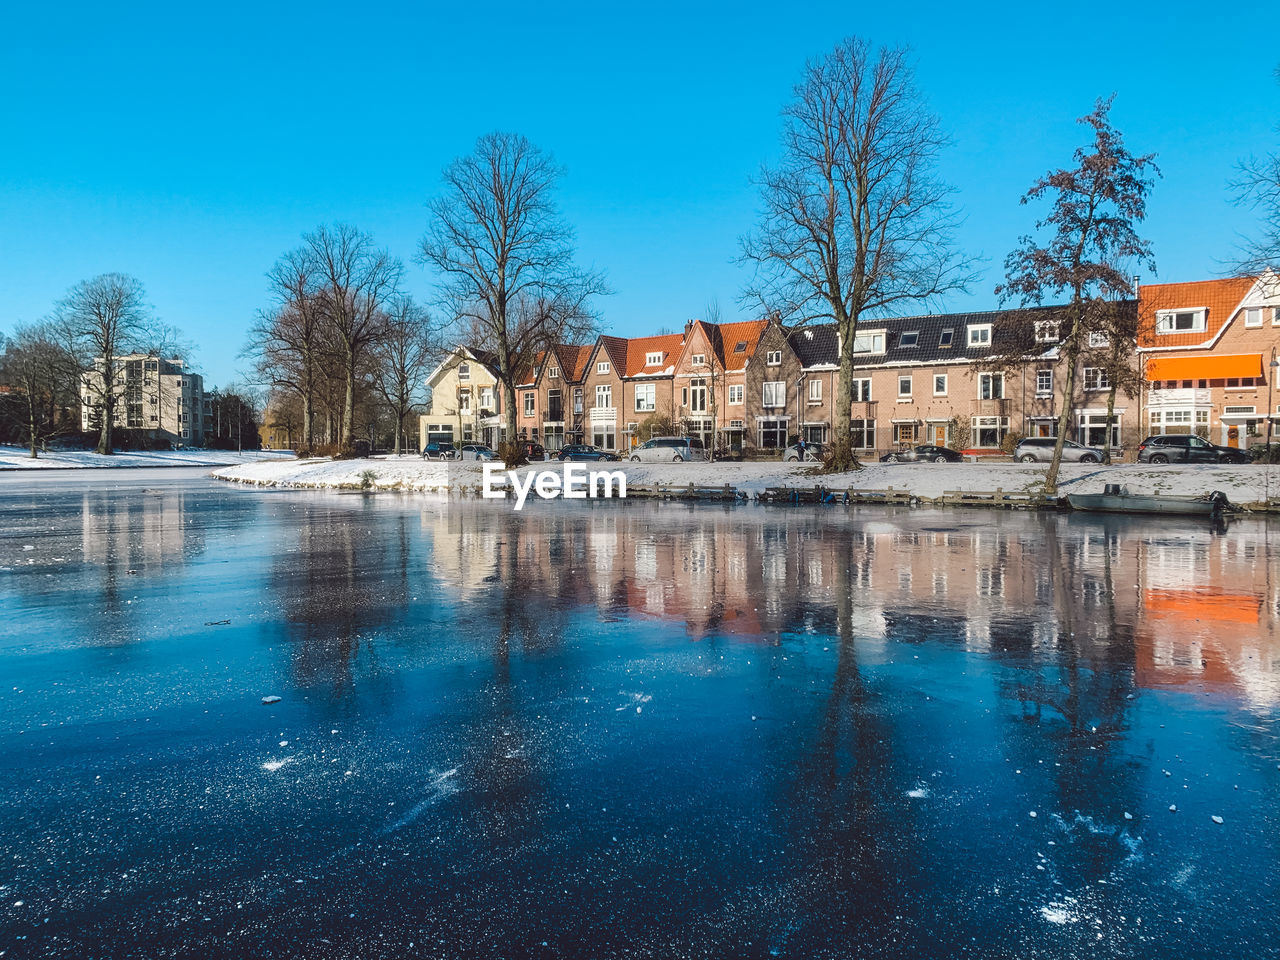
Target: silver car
(669,450)
(1040,450)
(476,451)
(810,451)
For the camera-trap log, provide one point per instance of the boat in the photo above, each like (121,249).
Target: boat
(1117,499)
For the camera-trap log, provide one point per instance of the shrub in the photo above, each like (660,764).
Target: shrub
(368,478)
(1011,440)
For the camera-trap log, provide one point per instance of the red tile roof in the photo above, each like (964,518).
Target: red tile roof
(668,344)
(1220,297)
(727,336)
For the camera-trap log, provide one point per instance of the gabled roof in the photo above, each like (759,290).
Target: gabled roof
(615,349)
(735,343)
(528,375)
(639,348)
(460,353)
(573,359)
(1221,298)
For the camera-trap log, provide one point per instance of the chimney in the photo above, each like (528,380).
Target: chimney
(688,325)
(1135,285)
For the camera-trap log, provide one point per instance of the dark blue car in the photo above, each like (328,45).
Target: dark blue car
(584,451)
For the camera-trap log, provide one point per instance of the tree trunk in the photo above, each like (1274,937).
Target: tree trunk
(842,458)
(349,404)
(514,458)
(108,414)
(31,411)
(1111,412)
(1064,418)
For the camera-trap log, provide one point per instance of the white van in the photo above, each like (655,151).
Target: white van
(669,450)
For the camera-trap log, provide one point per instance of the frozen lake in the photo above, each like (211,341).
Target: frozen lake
(627,730)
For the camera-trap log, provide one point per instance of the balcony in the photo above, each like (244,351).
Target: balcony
(1179,397)
(991,408)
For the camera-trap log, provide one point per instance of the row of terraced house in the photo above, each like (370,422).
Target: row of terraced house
(1204,356)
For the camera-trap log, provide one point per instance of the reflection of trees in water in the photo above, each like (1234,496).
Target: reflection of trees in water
(347,579)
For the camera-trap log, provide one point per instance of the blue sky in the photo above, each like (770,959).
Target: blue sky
(190,146)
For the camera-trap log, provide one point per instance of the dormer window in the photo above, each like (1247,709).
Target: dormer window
(652,359)
(945,338)
(979,334)
(602,366)
(1046,331)
(909,338)
(870,342)
(1182,321)
(1097,340)
(699,359)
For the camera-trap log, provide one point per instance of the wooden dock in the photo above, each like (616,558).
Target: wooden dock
(691,491)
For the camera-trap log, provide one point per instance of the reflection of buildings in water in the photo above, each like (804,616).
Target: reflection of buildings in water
(149,529)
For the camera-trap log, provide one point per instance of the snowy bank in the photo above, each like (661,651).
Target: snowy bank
(1241,484)
(19,458)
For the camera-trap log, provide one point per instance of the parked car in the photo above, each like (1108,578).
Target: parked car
(1040,450)
(811,451)
(924,453)
(1187,448)
(533,450)
(669,450)
(440,450)
(476,451)
(584,451)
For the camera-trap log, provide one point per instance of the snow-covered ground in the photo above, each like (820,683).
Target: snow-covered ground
(19,458)
(1241,484)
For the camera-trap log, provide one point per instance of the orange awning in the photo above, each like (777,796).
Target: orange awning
(1205,367)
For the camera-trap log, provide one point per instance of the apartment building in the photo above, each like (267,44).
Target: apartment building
(1207,351)
(465,404)
(158,402)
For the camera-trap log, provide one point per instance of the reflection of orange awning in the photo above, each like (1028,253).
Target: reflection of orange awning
(1204,367)
(1208,604)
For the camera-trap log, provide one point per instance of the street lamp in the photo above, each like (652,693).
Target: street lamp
(1271,376)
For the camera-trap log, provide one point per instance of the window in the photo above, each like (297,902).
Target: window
(1046,331)
(577,399)
(553,373)
(991,386)
(871,342)
(735,394)
(1095,378)
(740,347)
(815,392)
(774,393)
(528,404)
(700,360)
(464,371)
(1253,317)
(1097,340)
(1181,321)
(1092,429)
(602,366)
(861,391)
(1275,316)
(604,435)
(904,388)
(1230,410)
(486,398)
(979,334)
(735,424)
(862,434)
(904,433)
(909,338)
(773,358)
(604,395)
(773,433)
(698,396)
(1044,383)
(939,384)
(464,401)
(652,359)
(945,337)
(646,397)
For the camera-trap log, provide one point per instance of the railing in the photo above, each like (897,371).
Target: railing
(991,408)
(1178,396)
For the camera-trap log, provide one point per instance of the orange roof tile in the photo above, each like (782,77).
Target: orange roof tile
(1219,297)
(729,335)
(668,344)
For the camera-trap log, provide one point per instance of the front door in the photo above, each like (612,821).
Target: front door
(1044,430)
(1233,436)
(938,434)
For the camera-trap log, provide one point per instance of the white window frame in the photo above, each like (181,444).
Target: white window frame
(773,358)
(1166,321)
(1275,316)
(735,394)
(1253,317)
(604,391)
(1097,340)
(914,340)
(815,392)
(529,403)
(652,359)
(699,359)
(773,394)
(1046,391)
(1047,331)
(602,366)
(861,391)
(553,373)
(990,380)
(464,371)
(1100,379)
(869,341)
(939,379)
(907,379)
(646,398)
(978,335)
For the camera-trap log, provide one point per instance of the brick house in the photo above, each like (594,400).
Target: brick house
(558,386)
(709,387)
(648,384)
(1206,349)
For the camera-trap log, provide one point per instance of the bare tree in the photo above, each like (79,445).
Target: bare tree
(1116,359)
(99,321)
(402,360)
(855,219)
(46,375)
(506,260)
(1090,252)
(1257,186)
(354,283)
